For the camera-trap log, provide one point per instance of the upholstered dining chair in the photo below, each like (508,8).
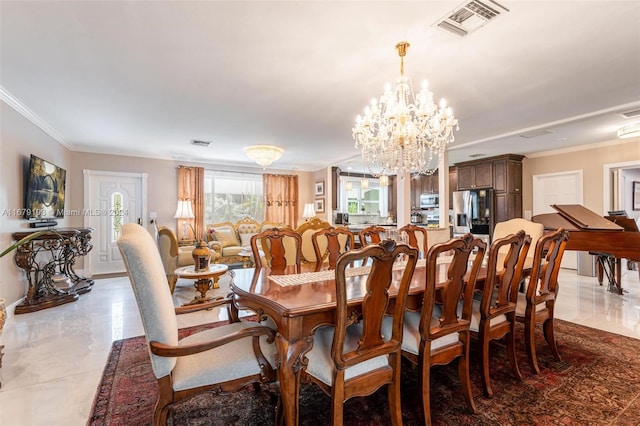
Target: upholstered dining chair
(439,334)
(511,226)
(536,306)
(335,242)
(416,237)
(221,359)
(354,357)
(493,316)
(281,248)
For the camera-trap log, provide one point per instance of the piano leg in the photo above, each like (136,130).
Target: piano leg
(611,267)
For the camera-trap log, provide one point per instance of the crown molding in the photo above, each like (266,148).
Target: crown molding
(23,110)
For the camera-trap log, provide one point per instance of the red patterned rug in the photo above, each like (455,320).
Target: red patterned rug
(596,383)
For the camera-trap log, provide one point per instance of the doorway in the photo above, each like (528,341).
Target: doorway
(111,199)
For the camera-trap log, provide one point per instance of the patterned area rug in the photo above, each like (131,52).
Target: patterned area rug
(596,383)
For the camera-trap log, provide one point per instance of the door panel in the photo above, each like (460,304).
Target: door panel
(558,188)
(112,199)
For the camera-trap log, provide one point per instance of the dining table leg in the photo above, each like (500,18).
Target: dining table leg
(292,360)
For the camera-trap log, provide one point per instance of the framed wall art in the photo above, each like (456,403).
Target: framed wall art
(319,188)
(319,205)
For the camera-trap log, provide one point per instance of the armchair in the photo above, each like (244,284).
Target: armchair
(221,359)
(171,255)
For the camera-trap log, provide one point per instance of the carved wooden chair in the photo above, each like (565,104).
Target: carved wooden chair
(306,230)
(416,237)
(335,242)
(281,248)
(440,333)
(221,359)
(493,315)
(371,235)
(536,306)
(355,358)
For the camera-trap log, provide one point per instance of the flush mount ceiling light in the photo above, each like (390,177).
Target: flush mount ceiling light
(630,131)
(264,155)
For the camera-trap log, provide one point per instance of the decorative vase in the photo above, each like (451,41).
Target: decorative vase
(201,256)
(3,314)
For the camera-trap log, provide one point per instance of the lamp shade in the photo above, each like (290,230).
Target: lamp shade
(309,211)
(184,210)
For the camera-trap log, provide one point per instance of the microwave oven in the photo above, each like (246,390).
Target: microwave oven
(429,201)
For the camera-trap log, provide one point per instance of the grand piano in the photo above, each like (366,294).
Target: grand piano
(611,238)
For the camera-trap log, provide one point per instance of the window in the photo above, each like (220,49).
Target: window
(116,216)
(358,200)
(231,196)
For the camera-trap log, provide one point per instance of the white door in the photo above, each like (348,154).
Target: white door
(111,199)
(558,188)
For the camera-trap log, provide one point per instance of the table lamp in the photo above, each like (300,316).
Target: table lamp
(309,211)
(184,212)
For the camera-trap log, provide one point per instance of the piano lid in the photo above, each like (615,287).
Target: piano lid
(585,219)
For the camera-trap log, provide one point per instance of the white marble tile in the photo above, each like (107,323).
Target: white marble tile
(54,358)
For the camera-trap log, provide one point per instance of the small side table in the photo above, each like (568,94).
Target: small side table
(205,281)
(247,257)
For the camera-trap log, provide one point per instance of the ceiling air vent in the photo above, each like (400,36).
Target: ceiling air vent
(470,16)
(631,114)
(200,143)
(535,133)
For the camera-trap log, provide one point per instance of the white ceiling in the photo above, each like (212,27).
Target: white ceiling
(145,78)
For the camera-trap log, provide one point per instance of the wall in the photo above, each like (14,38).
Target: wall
(19,138)
(591,161)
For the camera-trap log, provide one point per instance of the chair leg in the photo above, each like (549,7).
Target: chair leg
(511,351)
(530,341)
(172,279)
(483,342)
(549,336)
(393,395)
(165,399)
(425,378)
(465,380)
(337,406)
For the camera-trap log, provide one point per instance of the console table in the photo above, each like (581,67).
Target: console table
(48,262)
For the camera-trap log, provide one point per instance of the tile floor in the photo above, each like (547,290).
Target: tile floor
(54,358)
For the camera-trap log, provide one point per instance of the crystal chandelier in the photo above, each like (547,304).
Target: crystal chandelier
(264,155)
(403,133)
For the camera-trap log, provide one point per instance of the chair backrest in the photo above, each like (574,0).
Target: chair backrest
(500,291)
(379,283)
(543,281)
(371,235)
(416,237)
(149,284)
(335,241)
(306,231)
(451,285)
(281,248)
(511,226)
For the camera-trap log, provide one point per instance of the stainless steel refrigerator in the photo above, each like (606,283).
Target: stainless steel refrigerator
(473,212)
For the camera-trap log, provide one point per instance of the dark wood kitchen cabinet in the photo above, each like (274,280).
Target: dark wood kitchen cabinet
(474,175)
(502,173)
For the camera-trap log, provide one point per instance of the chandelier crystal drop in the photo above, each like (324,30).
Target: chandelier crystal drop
(402,132)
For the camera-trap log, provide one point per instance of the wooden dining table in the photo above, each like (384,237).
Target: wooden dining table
(300,303)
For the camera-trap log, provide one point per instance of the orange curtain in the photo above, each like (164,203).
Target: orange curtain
(281,199)
(191,188)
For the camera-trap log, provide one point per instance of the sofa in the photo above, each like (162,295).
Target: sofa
(228,239)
